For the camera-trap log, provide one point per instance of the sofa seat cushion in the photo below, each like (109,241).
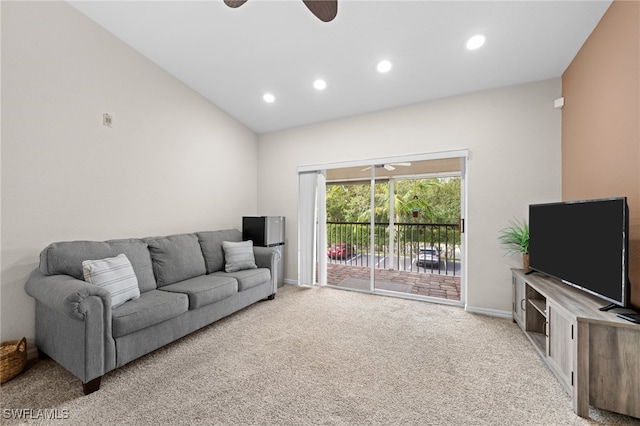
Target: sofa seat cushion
(205,289)
(247,278)
(151,308)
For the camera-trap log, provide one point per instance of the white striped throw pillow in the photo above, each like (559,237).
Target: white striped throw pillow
(238,256)
(114,274)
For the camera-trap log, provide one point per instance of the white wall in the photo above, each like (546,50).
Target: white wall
(512,133)
(172,162)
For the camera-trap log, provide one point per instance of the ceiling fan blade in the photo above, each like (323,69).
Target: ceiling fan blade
(388,167)
(234,3)
(325,10)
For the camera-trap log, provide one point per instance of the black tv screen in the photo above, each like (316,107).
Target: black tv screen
(584,244)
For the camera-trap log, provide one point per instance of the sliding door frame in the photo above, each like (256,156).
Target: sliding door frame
(320,226)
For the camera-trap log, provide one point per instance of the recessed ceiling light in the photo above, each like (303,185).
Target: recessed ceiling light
(269,98)
(320,84)
(475,42)
(384,66)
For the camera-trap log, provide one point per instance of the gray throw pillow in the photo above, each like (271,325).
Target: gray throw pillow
(238,256)
(114,274)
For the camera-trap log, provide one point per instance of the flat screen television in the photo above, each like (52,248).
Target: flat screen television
(584,244)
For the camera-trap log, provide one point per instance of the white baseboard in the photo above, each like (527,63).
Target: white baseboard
(489,312)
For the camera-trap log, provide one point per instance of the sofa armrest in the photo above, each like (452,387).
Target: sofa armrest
(73,324)
(266,257)
(66,294)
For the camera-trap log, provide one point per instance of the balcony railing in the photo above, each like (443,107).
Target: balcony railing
(350,244)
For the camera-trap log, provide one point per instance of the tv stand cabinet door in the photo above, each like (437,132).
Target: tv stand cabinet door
(519,301)
(561,328)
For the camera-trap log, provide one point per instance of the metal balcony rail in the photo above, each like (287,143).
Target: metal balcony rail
(417,247)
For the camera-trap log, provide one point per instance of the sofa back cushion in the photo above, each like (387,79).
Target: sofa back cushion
(65,258)
(211,243)
(176,258)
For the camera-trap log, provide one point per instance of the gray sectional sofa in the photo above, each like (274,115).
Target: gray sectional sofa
(182,285)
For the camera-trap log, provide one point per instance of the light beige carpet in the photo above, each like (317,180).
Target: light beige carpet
(319,356)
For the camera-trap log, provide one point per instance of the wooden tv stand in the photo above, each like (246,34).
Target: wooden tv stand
(595,355)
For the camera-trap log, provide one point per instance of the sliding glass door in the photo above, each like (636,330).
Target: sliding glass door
(348,204)
(392,228)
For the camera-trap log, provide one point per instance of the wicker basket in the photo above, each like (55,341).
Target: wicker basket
(13,357)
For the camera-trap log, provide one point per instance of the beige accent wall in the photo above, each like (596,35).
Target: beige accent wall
(172,162)
(512,134)
(601,120)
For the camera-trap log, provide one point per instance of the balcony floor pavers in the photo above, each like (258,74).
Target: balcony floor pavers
(418,283)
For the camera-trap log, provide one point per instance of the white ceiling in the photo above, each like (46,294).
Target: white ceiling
(233,56)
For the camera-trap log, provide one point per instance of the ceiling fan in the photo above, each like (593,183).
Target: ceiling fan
(325,10)
(389,167)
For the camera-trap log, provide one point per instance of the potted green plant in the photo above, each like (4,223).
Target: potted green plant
(515,239)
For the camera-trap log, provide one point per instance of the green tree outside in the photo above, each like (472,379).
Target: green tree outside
(436,200)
